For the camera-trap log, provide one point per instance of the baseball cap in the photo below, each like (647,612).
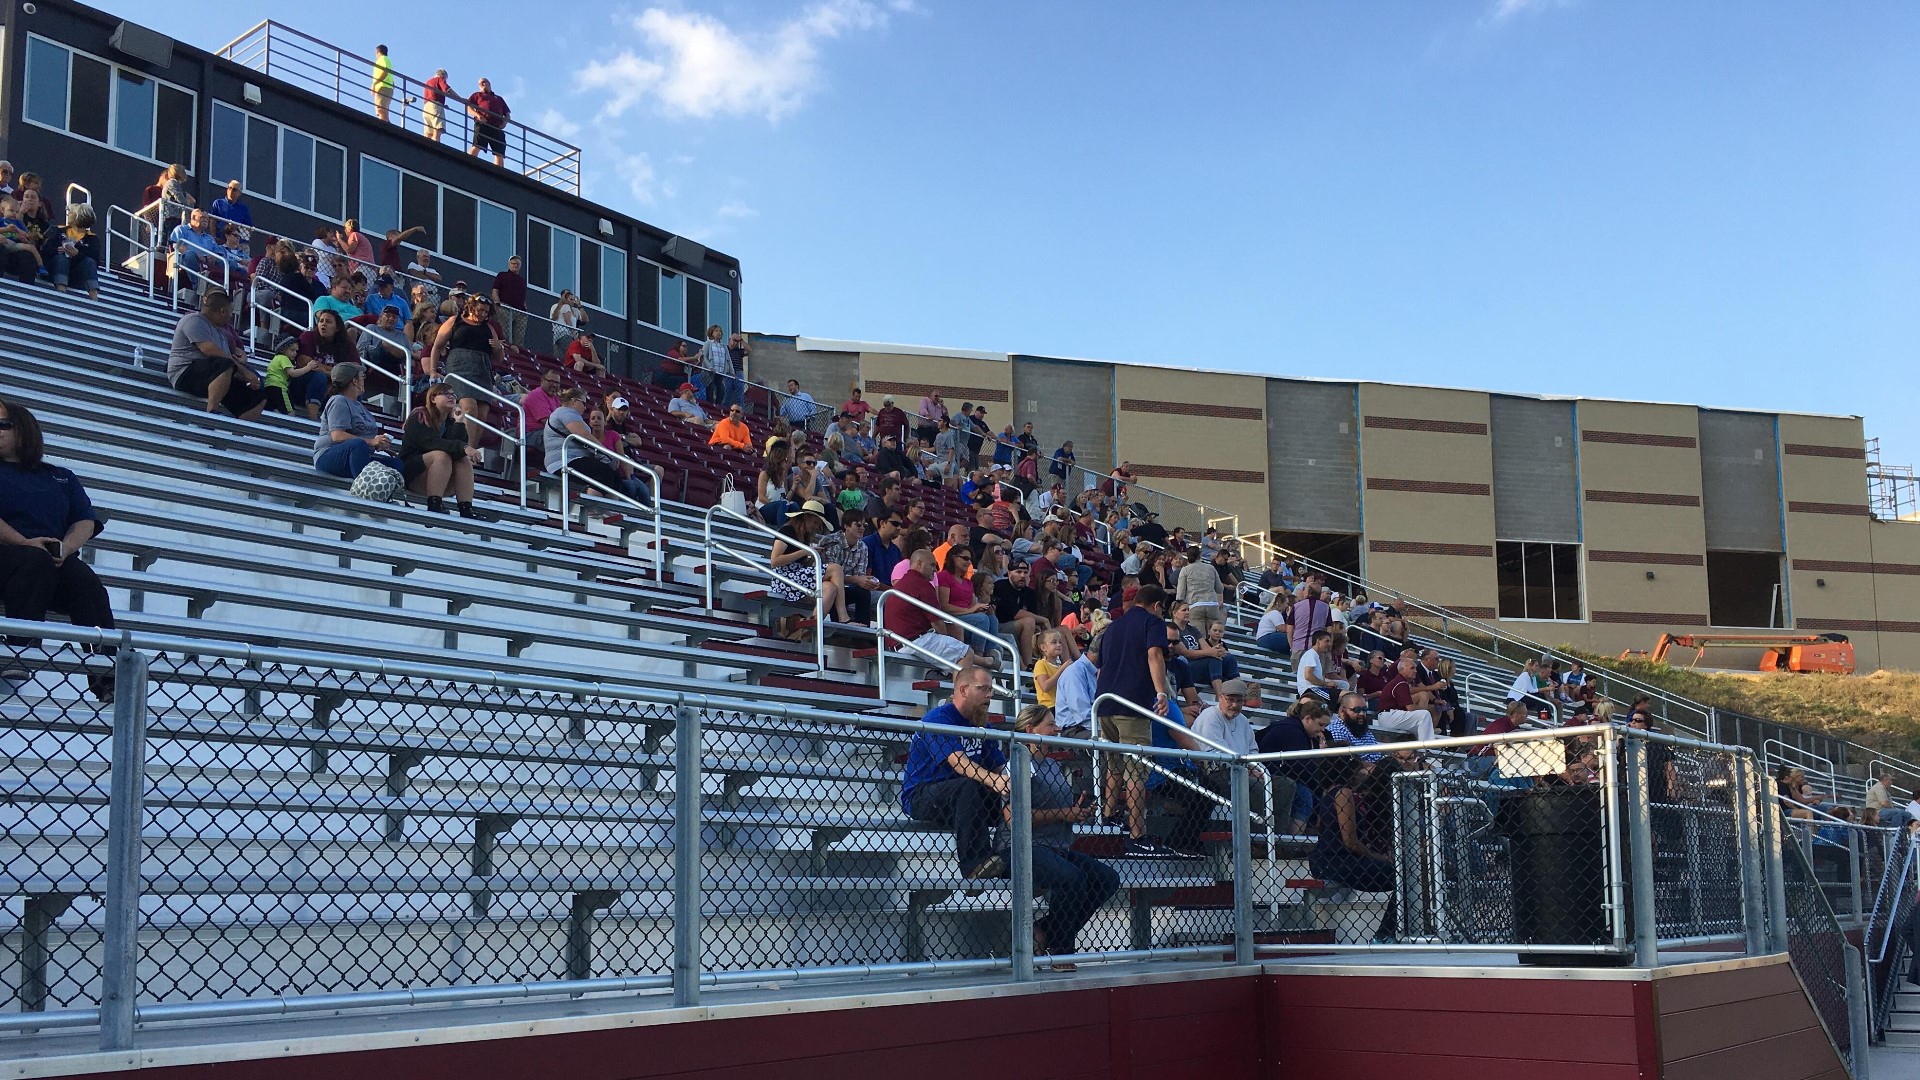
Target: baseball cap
(383,279)
(686,386)
(618,403)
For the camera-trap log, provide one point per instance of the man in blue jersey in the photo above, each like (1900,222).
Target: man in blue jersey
(958,780)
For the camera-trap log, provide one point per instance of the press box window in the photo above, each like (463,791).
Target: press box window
(278,163)
(1538,580)
(102,102)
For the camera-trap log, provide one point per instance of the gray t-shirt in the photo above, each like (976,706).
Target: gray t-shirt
(343,413)
(1052,790)
(374,350)
(193,331)
(946,446)
(559,450)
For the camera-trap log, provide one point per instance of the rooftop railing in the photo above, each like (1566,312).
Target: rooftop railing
(284,53)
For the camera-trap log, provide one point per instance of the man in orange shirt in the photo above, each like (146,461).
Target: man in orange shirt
(731,430)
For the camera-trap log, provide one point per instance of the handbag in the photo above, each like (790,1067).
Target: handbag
(376,483)
(732,499)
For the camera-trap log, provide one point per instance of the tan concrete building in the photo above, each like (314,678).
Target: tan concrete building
(1595,523)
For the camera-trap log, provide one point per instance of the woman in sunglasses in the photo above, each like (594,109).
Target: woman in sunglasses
(463,355)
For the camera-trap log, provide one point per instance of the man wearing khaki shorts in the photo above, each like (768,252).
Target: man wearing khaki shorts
(1133,667)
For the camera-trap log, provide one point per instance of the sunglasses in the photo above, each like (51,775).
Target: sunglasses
(6,425)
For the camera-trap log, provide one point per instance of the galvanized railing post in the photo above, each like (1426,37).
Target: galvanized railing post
(686,856)
(1646,935)
(1753,876)
(1858,1036)
(1243,862)
(1020,811)
(126,817)
(1771,839)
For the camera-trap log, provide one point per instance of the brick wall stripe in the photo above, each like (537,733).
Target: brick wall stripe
(1466,611)
(1878,626)
(1192,408)
(1657,558)
(1641,498)
(1649,618)
(1639,438)
(1799,449)
(1183,472)
(1438,427)
(1427,487)
(1840,509)
(1838,566)
(953,395)
(1422,547)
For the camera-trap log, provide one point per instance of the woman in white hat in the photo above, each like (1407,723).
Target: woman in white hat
(793,566)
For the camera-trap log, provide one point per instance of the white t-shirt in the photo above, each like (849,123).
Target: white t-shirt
(1270,623)
(1235,734)
(1522,687)
(1308,661)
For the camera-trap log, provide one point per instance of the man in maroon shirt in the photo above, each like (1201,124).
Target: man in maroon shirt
(1396,704)
(393,253)
(510,301)
(905,622)
(890,420)
(434,109)
(489,111)
(1373,680)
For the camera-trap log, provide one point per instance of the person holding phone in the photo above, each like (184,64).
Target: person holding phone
(1076,884)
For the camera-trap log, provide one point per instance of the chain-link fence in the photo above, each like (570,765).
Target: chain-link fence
(1496,845)
(251,832)
(1885,940)
(1818,947)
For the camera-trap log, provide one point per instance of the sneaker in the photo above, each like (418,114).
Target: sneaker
(1145,848)
(993,866)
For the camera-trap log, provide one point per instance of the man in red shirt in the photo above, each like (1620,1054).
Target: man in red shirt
(906,623)
(489,111)
(890,420)
(857,407)
(1396,703)
(434,108)
(510,301)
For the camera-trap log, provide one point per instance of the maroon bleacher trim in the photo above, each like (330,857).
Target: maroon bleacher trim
(1877,626)
(1840,566)
(1184,472)
(1428,487)
(1641,498)
(1649,618)
(1839,509)
(1800,449)
(1192,408)
(1425,547)
(1437,427)
(1658,558)
(919,390)
(1639,438)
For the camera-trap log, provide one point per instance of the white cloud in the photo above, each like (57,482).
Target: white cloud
(637,170)
(554,122)
(1503,10)
(694,65)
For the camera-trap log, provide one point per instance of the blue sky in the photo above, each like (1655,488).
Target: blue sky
(1707,202)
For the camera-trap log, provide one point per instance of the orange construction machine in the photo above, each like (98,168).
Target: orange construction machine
(1784,652)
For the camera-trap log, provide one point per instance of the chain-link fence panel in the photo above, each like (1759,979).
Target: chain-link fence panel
(314,831)
(1886,944)
(57,737)
(1491,845)
(1816,945)
(1696,801)
(829,845)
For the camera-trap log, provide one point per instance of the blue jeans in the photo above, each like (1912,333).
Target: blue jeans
(1076,886)
(1208,668)
(77,271)
(733,390)
(346,459)
(774,513)
(1275,643)
(984,622)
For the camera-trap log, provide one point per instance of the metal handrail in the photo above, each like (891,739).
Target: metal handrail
(74,186)
(885,635)
(819,589)
(279,50)
(402,378)
(656,511)
(519,465)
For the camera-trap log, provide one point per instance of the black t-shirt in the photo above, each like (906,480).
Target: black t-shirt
(1123,656)
(1152,532)
(1009,602)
